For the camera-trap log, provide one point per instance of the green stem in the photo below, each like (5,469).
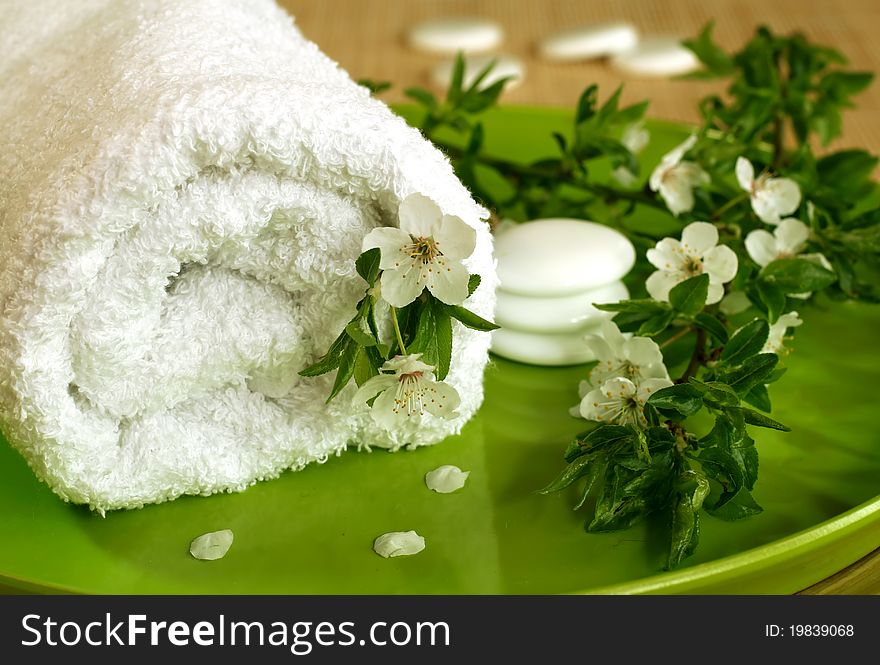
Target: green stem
(677,336)
(736,200)
(697,359)
(397,331)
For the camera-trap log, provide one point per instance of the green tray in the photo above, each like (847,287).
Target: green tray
(312,532)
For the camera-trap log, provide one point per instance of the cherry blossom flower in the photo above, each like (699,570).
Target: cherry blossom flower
(698,252)
(774,343)
(786,242)
(676,179)
(406,388)
(620,401)
(426,251)
(772,198)
(636,358)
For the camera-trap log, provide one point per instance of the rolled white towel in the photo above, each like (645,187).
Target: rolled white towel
(184,187)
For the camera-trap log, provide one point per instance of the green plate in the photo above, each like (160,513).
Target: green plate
(312,532)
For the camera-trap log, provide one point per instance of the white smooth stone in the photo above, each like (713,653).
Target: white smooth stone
(454,34)
(558,257)
(505,65)
(559,314)
(543,348)
(589,41)
(657,56)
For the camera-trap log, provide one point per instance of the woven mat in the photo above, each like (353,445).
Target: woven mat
(367,38)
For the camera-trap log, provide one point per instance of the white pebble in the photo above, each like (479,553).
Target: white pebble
(211,546)
(446,479)
(451,35)
(559,314)
(657,56)
(589,41)
(543,348)
(558,257)
(505,65)
(398,543)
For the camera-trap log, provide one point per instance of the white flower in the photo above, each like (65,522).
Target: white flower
(620,401)
(634,139)
(734,303)
(407,388)
(426,251)
(696,254)
(774,342)
(636,358)
(786,242)
(772,198)
(675,179)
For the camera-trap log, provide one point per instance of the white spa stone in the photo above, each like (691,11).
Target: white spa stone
(559,314)
(559,257)
(589,41)
(544,348)
(505,65)
(454,34)
(657,56)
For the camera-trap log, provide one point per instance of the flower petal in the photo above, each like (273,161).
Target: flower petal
(745,173)
(721,264)
(448,281)
(660,283)
(716,293)
(761,246)
(650,386)
(792,234)
(400,287)
(775,198)
(735,302)
(385,412)
(698,238)
(373,386)
(441,400)
(677,186)
(454,238)
(418,215)
(412,362)
(666,254)
(600,347)
(643,351)
(390,242)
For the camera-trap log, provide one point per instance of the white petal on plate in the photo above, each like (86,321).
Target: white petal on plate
(761,246)
(398,543)
(446,479)
(211,546)
(698,238)
(745,173)
(454,238)
(792,235)
(418,215)
(400,287)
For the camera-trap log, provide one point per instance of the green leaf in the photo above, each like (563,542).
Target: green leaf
(751,372)
(738,507)
(422,96)
(656,324)
(455,84)
(846,173)
(773,298)
(469,319)
(683,398)
(433,337)
(330,360)
(375,87)
(797,276)
(760,420)
(689,297)
(367,265)
(346,369)
(575,470)
(718,395)
(746,342)
(359,330)
(691,489)
(473,284)
(716,60)
(759,397)
(711,325)
(364,368)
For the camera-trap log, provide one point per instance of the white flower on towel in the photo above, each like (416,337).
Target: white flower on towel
(676,179)
(772,198)
(426,251)
(406,388)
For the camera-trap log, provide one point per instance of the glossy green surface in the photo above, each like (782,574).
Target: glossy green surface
(312,532)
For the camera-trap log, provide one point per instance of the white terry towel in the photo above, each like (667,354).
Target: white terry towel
(184,187)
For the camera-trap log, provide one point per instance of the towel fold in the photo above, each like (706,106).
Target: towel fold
(184,187)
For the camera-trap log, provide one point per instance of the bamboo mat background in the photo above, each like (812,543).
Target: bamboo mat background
(367,37)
